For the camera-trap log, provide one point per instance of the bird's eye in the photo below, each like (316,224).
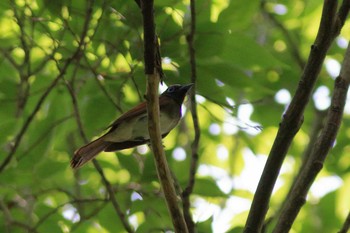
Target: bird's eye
(171,89)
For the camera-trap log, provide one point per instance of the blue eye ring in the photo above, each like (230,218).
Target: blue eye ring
(171,89)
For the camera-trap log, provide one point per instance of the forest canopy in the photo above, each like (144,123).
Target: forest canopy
(270,81)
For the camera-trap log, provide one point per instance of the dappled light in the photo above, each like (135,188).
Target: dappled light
(264,127)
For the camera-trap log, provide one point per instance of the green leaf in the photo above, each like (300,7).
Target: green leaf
(54,7)
(207,187)
(109,220)
(246,53)
(203,227)
(130,163)
(238,15)
(209,34)
(236,230)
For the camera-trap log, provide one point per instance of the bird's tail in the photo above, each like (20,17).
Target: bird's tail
(88,152)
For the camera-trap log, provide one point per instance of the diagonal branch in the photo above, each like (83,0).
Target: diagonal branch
(27,122)
(44,136)
(324,143)
(346,226)
(48,90)
(317,126)
(329,28)
(112,198)
(71,91)
(107,184)
(46,216)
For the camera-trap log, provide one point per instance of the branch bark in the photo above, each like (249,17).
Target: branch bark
(329,28)
(324,143)
(346,225)
(316,128)
(153,80)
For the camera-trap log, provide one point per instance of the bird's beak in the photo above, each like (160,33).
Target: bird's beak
(187,87)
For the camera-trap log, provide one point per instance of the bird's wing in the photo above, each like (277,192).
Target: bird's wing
(135,111)
(139,109)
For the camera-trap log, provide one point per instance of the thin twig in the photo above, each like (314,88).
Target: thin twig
(44,218)
(44,136)
(93,213)
(287,34)
(96,74)
(10,222)
(10,58)
(107,184)
(48,90)
(195,144)
(26,124)
(7,217)
(112,198)
(25,67)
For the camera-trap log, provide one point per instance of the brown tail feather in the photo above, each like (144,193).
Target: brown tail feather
(88,152)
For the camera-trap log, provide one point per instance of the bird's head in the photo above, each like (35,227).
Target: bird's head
(177,92)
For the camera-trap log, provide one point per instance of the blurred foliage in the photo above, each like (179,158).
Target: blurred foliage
(249,59)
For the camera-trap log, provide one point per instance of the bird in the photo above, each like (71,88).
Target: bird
(131,128)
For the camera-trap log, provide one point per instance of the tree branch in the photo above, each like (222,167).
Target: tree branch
(149,36)
(42,137)
(48,90)
(346,225)
(44,218)
(107,184)
(10,222)
(293,117)
(26,124)
(152,98)
(112,198)
(71,90)
(322,146)
(194,156)
(318,124)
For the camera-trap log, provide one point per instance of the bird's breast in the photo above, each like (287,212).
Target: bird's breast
(136,129)
(167,122)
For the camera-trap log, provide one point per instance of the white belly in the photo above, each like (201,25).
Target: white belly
(138,130)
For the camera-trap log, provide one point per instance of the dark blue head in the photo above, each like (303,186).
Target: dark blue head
(177,92)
